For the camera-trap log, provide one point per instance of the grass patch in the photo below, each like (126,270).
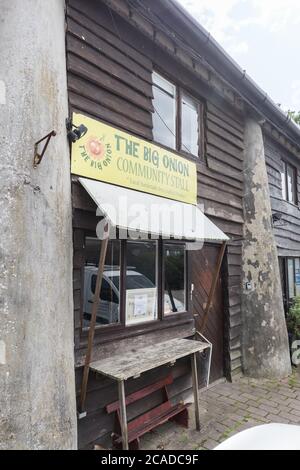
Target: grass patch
(293,381)
(234,429)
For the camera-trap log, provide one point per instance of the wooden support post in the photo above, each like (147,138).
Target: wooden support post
(195,389)
(123,414)
(104,244)
(213,287)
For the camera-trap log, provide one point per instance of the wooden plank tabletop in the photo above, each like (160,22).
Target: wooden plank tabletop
(134,363)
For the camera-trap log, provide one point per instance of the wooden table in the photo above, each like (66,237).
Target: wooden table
(121,368)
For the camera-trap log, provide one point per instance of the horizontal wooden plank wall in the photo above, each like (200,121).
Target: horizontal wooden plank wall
(287,232)
(109,77)
(97,427)
(221,191)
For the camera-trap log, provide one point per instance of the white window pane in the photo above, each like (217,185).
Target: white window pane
(297,275)
(108,309)
(164,126)
(164,84)
(189,125)
(141,282)
(291,278)
(283,184)
(291,183)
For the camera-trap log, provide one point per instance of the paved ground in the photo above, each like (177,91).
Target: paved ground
(228,408)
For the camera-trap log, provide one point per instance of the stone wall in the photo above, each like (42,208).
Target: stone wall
(37,391)
(265,342)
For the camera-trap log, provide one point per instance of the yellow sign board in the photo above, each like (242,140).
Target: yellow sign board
(113,156)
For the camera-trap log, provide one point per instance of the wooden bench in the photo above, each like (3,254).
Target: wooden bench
(131,365)
(151,419)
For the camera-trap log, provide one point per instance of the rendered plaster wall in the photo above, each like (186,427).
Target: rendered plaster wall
(265,341)
(37,390)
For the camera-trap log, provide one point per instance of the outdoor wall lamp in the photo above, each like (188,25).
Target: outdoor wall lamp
(276,217)
(75,132)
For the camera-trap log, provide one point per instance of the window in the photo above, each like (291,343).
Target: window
(290,268)
(189,125)
(107,294)
(291,278)
(297,275)
(143,281)
(164,117)
(109,306)
(176,117)
(174,274)
(289,183)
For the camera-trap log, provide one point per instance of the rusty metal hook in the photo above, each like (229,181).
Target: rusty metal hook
(38,156)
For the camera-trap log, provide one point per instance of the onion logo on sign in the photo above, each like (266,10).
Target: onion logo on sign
(97,153)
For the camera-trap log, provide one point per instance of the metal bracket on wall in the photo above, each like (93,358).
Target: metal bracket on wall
(81,415)
(38,156)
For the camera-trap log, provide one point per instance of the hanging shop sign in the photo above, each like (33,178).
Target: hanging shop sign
(111,155)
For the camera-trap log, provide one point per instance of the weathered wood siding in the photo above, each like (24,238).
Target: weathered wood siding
(202,265)
(109,77)
(287,232)
(220,188)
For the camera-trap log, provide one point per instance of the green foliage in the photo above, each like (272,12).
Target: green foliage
(295,116)
(293,318)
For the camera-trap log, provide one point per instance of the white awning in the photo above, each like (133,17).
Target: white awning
(147,214)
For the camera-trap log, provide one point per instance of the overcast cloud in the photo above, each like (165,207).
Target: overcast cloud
(262,36)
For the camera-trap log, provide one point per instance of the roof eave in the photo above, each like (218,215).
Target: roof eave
(232,72)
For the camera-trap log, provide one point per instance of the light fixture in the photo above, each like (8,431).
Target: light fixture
(75,132)
(276,217)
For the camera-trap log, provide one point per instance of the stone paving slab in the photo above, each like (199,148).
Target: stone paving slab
(228,408)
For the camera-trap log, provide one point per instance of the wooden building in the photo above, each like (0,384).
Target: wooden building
(282,160)
(147,69)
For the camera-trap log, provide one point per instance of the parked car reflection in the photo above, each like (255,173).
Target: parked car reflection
(141,297)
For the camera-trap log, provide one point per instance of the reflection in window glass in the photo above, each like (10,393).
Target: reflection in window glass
(141,282)
(291,278)
(189,125)
(291,183)
(164,116)
(297,275)
(174,272)
(283,184)
(281,262)
(108,308)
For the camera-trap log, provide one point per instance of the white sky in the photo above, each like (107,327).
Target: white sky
(263,36)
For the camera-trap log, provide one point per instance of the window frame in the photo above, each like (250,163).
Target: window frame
(289,286)
(284,174)
(286,284)
(174,314)
(123,292)
(120,330)
(180,92)
(175,98)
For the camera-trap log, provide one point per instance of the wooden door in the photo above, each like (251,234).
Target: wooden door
(202,268)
